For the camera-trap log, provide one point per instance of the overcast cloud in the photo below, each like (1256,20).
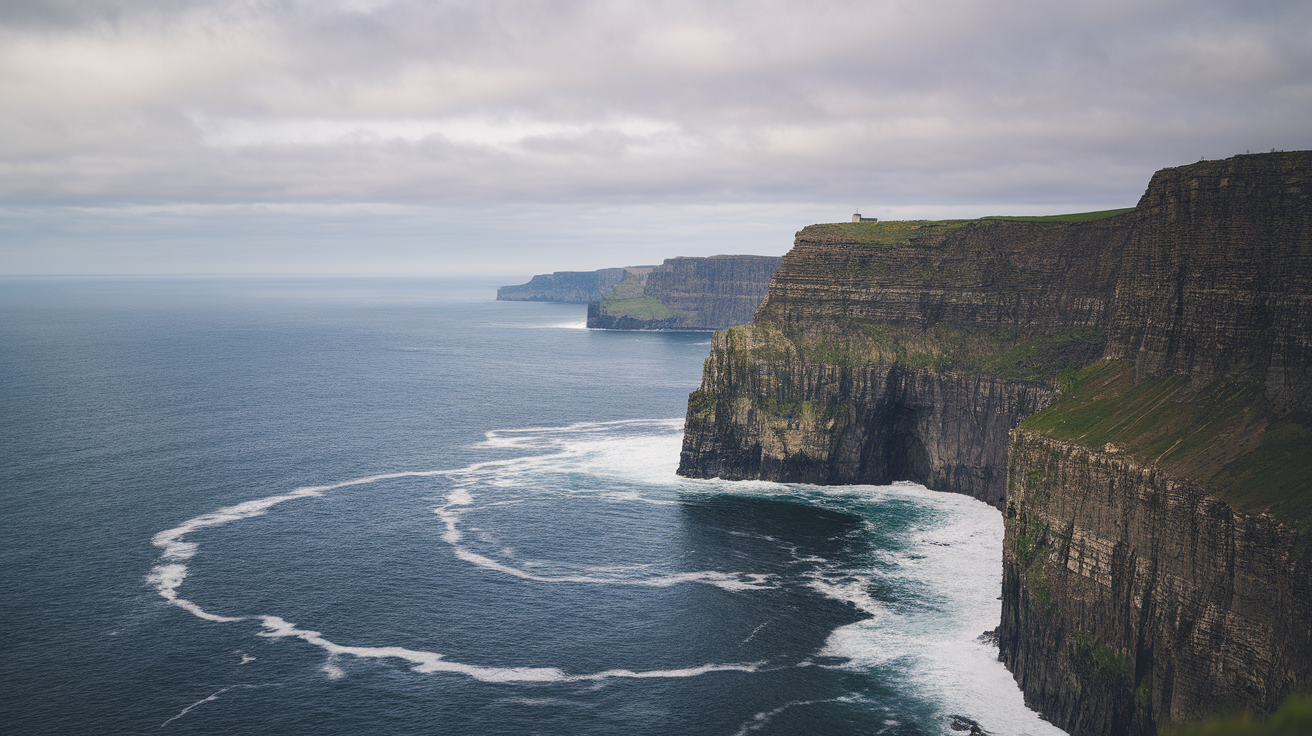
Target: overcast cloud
(370,136)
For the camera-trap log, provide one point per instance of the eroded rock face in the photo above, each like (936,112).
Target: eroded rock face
(980,274)
(1131,598)
(570,287)
(788,419)
(691,294)
(1218,278)
(814,390)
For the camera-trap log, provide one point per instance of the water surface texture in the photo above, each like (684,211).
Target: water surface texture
(343,507)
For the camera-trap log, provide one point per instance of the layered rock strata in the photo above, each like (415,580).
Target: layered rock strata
(785,418)
(1132,598)
(1159,509)
(689,294)
(847,373)
(570,287)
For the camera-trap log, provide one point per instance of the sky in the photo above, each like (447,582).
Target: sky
(474,138)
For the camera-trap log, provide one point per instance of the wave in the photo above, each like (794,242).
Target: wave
(942,565)
(571,455)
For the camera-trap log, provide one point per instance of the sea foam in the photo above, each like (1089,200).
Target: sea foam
(577,448)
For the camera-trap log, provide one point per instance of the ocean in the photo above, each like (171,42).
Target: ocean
(334,506)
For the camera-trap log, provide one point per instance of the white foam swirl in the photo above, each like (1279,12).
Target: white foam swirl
(168,576)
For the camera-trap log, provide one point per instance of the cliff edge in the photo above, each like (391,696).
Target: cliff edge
(571,287)
(1131,387)
(688,294)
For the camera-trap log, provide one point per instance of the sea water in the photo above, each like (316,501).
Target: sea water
(346,507)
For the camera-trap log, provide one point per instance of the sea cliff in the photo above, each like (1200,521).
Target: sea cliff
(571,287)
(688,294)
(903,351)
(1132,388)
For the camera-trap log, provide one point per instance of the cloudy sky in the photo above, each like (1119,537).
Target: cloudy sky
(483,137)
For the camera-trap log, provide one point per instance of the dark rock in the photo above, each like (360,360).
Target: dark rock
(968,725)
(1134,592)
(690,294)
(571,287)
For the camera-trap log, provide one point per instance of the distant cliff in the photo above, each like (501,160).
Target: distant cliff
(688,294)
(1134,390)
(575,287)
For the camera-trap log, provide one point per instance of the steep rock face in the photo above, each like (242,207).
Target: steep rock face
(691,294)
(845,375)
(721,291)
(1218,279)
(973,274)
(573,287)
(1132,598)
(1159,513)
(775,416)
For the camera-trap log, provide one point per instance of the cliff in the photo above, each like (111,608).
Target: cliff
(1133,597)
(904,351)
(574,287)
(688,294)
(1158,509)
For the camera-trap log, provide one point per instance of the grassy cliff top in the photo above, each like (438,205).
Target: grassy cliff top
(901,232)
(893,232)
(1219,434)
(1074,217)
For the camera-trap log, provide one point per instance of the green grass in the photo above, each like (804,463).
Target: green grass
(643,308)
(629,288)
(1276,475)
(1293,719)
(1012,353)
(902,232)
(701,403)
(1219,434)
(1074,217)
(896,232)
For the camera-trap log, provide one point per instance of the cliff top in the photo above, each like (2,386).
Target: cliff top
(1218,432)
(902,232)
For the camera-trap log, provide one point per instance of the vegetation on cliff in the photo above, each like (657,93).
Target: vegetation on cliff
(1073,217)
(1159,509)
(1219,433)
(627,299)
(1293,719)
(1005,352)
(687,294)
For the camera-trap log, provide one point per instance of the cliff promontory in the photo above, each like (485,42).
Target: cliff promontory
(571,287)
(904,351)
(688,294)
(1131,387)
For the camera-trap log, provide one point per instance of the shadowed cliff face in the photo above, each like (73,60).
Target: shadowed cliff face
(1218,278)
(690,294)
(571,287)
(1131,598)
(904,351)
(1159,512)
(776,416)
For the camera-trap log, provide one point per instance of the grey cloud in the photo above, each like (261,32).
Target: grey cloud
(591,104)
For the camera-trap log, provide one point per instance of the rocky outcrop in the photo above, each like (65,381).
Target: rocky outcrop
(573,287)
(774,415)
(903,351)
(1135,391)
(689,294)
(1132,598)
(1218,279)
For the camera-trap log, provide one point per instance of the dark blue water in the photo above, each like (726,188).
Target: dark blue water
(337,507)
